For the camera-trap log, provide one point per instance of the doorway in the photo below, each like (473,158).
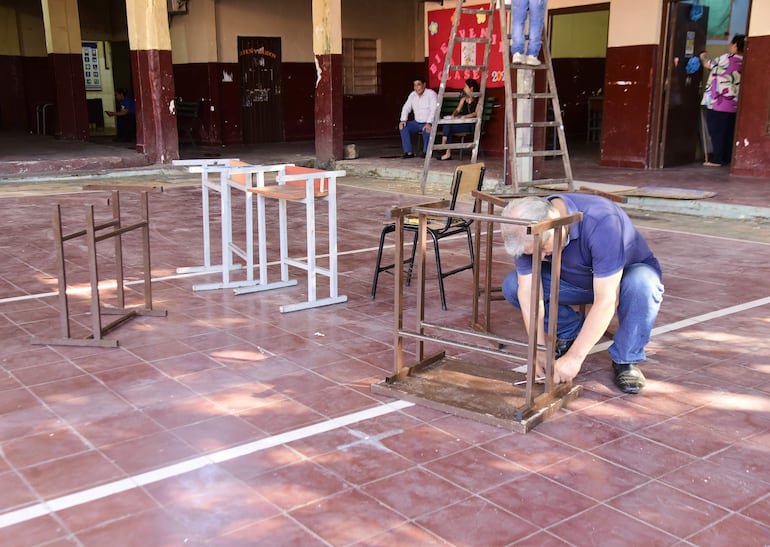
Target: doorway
(261,98)
(679,91)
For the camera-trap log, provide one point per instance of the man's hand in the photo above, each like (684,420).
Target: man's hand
(401,125)
(566,368)
(427,127)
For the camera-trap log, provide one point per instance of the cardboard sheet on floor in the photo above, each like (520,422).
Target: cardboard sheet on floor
(600,186)
(663,192)
(666,192)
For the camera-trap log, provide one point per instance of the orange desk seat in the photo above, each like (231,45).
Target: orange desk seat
(233,175)
(307,186)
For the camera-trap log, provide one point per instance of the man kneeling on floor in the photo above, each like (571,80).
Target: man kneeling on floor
(606,263)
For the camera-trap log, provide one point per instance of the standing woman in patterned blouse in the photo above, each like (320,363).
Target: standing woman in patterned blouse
(721,99)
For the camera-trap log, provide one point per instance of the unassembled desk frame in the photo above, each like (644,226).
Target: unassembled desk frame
(95,233)
(490,394)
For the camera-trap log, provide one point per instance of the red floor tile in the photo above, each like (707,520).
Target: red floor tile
(218,433)
(538,500)
(297,484)
(151,527)
(70,474)
(115,507)
(476,469)
(531,451)
(330,518)
(424,443)
(681,515)
(494,525)
(41,447)
(734,530)
(14,491)
(719,486)
(415,492)
(362,463)
(149,452)
(603,526)
(580,431)
(593,477)
(39,531)
(643,456)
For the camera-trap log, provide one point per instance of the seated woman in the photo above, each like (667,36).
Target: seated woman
(468,107)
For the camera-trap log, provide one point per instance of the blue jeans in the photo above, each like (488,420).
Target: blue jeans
(641,293)
(519,9)
(451,128)
(410,129)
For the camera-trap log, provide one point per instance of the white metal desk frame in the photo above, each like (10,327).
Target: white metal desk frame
(326,181)
(254,175)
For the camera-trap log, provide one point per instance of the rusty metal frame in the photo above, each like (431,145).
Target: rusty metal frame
(93,234)
(405,379)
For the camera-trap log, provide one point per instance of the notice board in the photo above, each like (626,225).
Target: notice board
(439,28)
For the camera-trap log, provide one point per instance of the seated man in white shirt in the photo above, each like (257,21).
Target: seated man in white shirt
(423,103)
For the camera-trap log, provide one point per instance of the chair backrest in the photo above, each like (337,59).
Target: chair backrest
(466,178)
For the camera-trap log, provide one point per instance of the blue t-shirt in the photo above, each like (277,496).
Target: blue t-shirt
(602,244)
(127,103)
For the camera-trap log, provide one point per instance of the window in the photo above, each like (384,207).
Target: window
(359,66)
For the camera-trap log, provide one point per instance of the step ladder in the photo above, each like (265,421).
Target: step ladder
(519,107)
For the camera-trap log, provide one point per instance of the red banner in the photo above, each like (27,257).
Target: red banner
(464,53)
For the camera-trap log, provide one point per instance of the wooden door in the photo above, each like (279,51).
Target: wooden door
(681,92)
(261,103)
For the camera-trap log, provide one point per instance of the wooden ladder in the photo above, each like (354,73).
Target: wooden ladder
(519,106)
(482,70)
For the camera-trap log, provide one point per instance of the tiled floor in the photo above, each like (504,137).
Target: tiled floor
(228,423)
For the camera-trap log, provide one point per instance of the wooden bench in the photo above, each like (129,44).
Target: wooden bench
(187,119)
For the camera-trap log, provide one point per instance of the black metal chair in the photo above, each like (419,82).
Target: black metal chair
(466,178)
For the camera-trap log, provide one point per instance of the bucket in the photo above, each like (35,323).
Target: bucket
(350,152)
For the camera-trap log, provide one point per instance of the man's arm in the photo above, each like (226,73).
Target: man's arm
(606,290)
(433,107)
(405,110)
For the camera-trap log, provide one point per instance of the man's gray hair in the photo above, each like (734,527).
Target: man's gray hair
(531,208)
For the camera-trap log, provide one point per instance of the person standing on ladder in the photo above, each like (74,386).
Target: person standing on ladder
(423,102)
(519,9)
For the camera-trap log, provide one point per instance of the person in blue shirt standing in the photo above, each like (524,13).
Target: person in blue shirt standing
(125,116)
(605,263)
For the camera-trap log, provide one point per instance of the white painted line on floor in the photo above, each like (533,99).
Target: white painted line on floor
(690,321)
(711,236)
(156,475)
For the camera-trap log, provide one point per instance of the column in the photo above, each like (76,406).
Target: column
(152,69)
(752,130)
(327,48)
(65,55)
(632,65)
